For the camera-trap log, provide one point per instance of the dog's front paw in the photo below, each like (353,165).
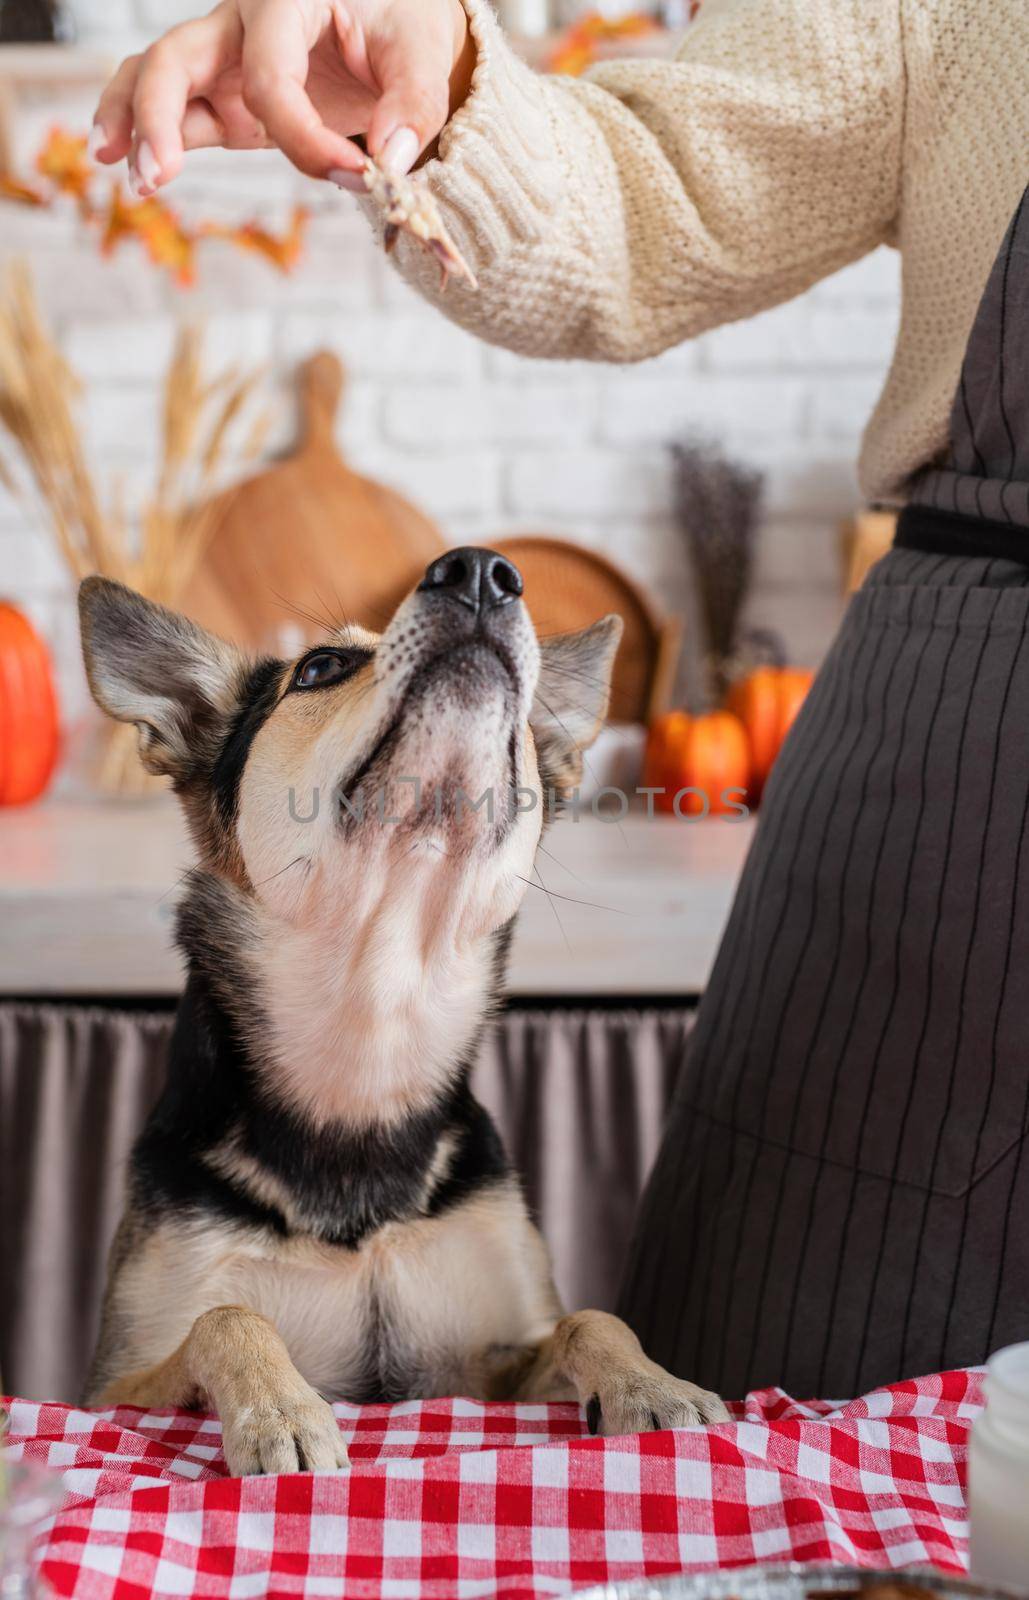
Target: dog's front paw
(646,1400)
(287,1433)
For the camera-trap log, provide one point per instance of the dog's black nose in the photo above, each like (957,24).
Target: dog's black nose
(479,579)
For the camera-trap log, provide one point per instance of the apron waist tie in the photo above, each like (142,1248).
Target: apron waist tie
(950,533)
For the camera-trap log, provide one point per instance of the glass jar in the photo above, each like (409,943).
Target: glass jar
(998,1473)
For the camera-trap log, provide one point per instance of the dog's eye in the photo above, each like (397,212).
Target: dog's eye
(326,667)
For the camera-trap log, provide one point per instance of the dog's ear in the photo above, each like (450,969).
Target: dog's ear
(571,698)
(152,667)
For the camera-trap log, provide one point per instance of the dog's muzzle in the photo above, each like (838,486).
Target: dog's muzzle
(465,641)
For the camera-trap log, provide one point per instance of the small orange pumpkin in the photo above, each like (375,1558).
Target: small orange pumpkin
(706,755)
(28,710)
(665,734)
(766,701)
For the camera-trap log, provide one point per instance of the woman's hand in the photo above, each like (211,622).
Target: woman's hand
(303,75)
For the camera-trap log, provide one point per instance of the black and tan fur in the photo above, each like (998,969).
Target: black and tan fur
(318,1208)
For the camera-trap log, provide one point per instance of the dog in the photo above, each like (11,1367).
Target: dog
(317,1207)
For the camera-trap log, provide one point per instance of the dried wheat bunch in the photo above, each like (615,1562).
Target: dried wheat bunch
(39,399)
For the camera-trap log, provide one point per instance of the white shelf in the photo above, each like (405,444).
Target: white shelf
(39,66)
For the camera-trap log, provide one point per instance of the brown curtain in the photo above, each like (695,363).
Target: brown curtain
(579,1096)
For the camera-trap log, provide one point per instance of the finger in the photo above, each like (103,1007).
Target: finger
(183,65)
(242,129)
(275,64)
(111,135)
(202,128)
(226,125)
(413,66)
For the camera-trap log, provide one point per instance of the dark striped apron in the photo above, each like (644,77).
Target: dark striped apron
(842,1195)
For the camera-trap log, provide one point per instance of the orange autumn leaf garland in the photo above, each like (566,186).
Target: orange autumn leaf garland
(23,193)
(63,159)
(158,229)
(64,164)
(580,44)
(283,250)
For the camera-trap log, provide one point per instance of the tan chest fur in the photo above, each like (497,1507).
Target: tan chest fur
(416,1306)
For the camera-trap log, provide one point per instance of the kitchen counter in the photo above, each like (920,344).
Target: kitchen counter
(636,908)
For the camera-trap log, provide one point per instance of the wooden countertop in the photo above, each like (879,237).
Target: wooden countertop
(87,900)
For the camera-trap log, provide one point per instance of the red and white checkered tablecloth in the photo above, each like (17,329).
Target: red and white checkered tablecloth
(450,1500)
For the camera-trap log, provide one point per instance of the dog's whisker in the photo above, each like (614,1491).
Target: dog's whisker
(312,578)
(576,674)
(585,758)
(553,906)
(541,847)
(337,621)
(619,699)
(299,611)
(591,905)
(176,885)
(295,862)
(347,621)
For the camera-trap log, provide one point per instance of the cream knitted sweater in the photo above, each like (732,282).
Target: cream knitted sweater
(615,216)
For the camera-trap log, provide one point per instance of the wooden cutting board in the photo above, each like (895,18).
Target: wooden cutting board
(567,588)
(309,542)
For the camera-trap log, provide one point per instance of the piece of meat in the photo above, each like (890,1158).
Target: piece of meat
(407,206)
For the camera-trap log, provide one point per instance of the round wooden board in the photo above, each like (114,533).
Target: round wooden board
(567,588)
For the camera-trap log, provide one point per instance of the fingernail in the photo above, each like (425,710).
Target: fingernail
(352,182)
(137,188)
(96,141)
(401,151)
(148,166)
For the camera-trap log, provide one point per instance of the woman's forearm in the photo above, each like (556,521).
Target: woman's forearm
(612,217)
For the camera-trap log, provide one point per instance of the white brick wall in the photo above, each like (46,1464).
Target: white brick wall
(487,442)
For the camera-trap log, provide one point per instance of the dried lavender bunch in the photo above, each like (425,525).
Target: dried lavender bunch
(718,502)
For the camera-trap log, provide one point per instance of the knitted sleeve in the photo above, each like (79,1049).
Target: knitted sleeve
(614,216)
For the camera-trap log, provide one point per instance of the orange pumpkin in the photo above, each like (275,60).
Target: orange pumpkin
(28,710)
(665,734)
(767,701)
(707,755)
